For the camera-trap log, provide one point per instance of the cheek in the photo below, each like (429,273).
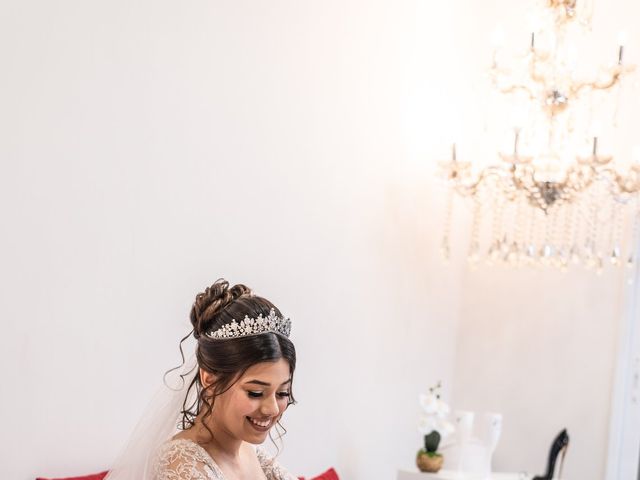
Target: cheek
(245,405)
(237,405)
(283,404)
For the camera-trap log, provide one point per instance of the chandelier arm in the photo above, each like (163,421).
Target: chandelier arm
(517,88)
(583,182)
(595,85)
(471,189)
(618,189)
(529,187)
(514,87)
(626,185)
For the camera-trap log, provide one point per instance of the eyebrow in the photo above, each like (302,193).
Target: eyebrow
(264,384)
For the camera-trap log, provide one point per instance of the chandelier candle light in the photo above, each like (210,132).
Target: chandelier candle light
(554,198)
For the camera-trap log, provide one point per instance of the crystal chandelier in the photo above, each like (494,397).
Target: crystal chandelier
(553,199)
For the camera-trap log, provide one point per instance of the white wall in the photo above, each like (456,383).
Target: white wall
(151,147)
(540,346)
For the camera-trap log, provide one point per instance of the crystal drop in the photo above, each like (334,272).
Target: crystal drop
(444,249)
(563,253)
(504,245)
(491,254)
(564,266)
(599,263)
(574,253)
(531,252)
(615,256)
(474,254)
(523,253)
(512,255)
(589,257)
(563,258)
(494,251)
(546,252)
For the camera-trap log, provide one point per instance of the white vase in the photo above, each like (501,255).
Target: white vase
(463,420)
(490,435)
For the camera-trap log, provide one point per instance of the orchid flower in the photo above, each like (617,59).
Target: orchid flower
(434,413)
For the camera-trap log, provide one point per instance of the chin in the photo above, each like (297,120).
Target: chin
(256,439)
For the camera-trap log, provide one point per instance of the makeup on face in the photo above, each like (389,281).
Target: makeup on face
(257,401)
(258,390)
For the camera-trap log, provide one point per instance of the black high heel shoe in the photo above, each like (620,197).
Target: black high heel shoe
(559,445)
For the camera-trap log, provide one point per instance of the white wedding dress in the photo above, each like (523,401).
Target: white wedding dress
(183,459)
(150,454)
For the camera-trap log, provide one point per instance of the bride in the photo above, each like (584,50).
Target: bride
(237,387)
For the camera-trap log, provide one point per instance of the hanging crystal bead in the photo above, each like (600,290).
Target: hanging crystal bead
(574,254)
(494,251)
(599,264)
(563,257)
(531,253)
(546,252)
(615,256)
(474,254)
(445,250)
(514,254)
(589,257)
(504,249)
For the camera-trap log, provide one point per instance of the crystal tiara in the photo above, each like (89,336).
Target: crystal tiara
(253,326)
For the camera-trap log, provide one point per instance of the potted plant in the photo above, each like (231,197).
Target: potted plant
(434,426)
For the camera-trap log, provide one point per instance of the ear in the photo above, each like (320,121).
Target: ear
(206,378)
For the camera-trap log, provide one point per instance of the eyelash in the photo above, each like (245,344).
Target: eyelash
(259,394)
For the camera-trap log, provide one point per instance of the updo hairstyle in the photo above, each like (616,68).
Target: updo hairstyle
(229,359)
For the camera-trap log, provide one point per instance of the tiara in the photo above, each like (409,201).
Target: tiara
(253,326)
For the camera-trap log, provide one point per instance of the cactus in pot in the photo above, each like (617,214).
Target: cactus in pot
(434,426)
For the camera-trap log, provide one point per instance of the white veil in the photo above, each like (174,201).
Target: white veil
(157,425)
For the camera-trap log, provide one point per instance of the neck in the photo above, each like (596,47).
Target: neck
(222,445)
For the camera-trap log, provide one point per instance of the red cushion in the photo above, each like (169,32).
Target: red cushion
(328,475)
(95,476)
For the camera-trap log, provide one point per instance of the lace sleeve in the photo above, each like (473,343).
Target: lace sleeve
(184,460)
(272,469)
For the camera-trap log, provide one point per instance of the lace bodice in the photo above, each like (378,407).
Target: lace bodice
(182,459)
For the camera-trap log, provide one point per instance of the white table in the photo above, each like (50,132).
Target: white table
(452,475)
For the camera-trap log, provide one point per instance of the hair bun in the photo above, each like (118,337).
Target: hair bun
(212,301)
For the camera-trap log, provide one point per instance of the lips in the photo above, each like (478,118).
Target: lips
(262,425)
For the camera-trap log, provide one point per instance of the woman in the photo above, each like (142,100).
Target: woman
(241,388)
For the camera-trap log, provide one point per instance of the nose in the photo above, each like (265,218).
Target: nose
(269,406)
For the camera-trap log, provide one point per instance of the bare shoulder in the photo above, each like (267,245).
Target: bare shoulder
(183,435)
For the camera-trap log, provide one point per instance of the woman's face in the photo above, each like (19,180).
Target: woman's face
(253,405)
